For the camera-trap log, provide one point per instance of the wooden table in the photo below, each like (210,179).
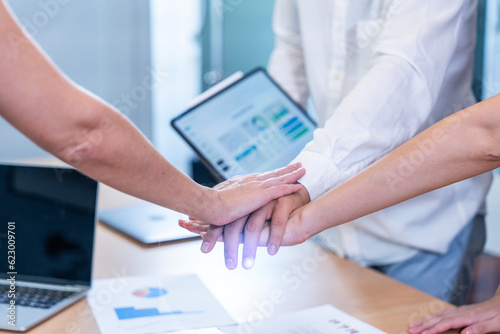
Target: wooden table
(305,275)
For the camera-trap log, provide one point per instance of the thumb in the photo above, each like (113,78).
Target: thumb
(483,327)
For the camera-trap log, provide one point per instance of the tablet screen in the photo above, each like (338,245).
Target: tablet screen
(249,127)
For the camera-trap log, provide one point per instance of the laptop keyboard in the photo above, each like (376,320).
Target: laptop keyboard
(34,297)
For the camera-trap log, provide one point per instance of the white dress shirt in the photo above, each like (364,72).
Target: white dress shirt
(379,72)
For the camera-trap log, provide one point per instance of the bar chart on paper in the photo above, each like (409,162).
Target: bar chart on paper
(136,305)
(124,313)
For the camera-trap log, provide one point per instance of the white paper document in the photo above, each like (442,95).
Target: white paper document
(152,304)
(324,319)
(211,330)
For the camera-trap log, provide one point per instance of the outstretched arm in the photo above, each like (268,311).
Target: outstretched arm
(85,132)
(458,147)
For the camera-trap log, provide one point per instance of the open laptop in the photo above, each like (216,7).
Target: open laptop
(47,224)
(250,126)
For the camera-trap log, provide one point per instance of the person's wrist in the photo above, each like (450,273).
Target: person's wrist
(311,219)
(306,219)
(208,205)
(303,196)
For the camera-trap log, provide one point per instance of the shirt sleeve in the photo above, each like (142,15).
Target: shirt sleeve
(395,99)
(286,64)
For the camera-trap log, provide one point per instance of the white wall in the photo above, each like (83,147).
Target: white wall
(176,52)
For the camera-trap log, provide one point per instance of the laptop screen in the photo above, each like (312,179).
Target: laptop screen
(47,218)
(249,127)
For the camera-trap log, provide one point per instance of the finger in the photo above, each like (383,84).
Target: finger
(251,236)
(279,172)
(449,322)
(451,318)
(193,227)
(210,239)
(279,220)
(188,222)
(488,326)
(199,222)
(429,321)
(426,323)
(264,235)
(193,221)
(203,234)
(289,178)
(232,236)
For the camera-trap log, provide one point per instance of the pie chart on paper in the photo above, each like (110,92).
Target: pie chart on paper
(149,292)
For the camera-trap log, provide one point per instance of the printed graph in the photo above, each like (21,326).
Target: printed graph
(150,292)
(124,313)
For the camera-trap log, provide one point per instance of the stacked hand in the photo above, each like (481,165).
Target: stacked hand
(474,319)
(241,195)
(265,226)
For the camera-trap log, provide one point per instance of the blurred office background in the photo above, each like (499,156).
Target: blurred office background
(150,58)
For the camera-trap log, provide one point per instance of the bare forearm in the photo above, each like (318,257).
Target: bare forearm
(84,131)
(461,146)
(114,152)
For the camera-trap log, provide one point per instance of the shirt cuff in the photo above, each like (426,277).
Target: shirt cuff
(321,174)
